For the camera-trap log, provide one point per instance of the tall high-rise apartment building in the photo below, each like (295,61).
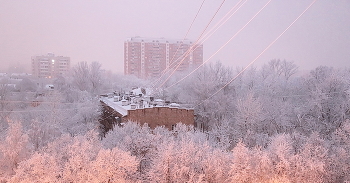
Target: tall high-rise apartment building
(146,58)
(50,66)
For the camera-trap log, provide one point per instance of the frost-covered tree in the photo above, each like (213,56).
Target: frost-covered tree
(77,159)
(328,105)
(41,133)
(95,77)
(278,68)
(60,83)
(249,114)
(81,75)
(188,157)
(268,125)
(338,162)
(14,148)
(198,89)
(87,77)
(114,165)
(84,117)
(41,167)
(310,164)
(136,139)
(5,105)
(27,85)
(241,164)
(58,115)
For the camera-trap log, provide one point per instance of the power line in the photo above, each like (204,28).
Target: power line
(304,95)
(37,101)
(52,110)
(46,110)
(220,47)
(221,22)
(188,51)
(258,55)
(213,30)
(201,40)
(166,69)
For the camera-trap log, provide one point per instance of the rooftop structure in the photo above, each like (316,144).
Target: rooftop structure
(147,58)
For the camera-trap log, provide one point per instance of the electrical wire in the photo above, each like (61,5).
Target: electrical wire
(305,95)
(46,110)
(37,101)
(208,35)
(188,51)
(220,47)
(259,54)
(164,71)
(221,22)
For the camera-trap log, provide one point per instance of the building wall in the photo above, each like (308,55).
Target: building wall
(109,118)
(147,58)
(197,58)
(49,66)
(154,56)
(132,58)
(180,56)
(161,116)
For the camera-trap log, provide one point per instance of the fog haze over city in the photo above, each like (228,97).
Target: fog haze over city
(110,91)
(96,30)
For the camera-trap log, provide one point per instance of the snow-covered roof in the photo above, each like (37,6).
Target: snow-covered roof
(117,106)
(122,106)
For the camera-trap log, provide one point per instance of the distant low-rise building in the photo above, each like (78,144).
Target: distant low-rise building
(144,109)
(50,66)
(3,74)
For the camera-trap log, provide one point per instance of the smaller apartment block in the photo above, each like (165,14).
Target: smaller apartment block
(50,66)
(143,109)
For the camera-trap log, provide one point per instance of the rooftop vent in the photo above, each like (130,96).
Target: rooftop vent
(124,102)
(174,105)
(133,106)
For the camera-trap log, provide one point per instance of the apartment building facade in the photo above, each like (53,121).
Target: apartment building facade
(147,58)
(50,65)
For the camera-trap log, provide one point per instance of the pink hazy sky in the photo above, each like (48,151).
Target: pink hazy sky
(91,30)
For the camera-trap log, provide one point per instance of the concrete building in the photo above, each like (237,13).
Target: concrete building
(146,58)
(50,66)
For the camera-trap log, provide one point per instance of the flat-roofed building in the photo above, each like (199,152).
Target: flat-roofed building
(50,66)
(137,107)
